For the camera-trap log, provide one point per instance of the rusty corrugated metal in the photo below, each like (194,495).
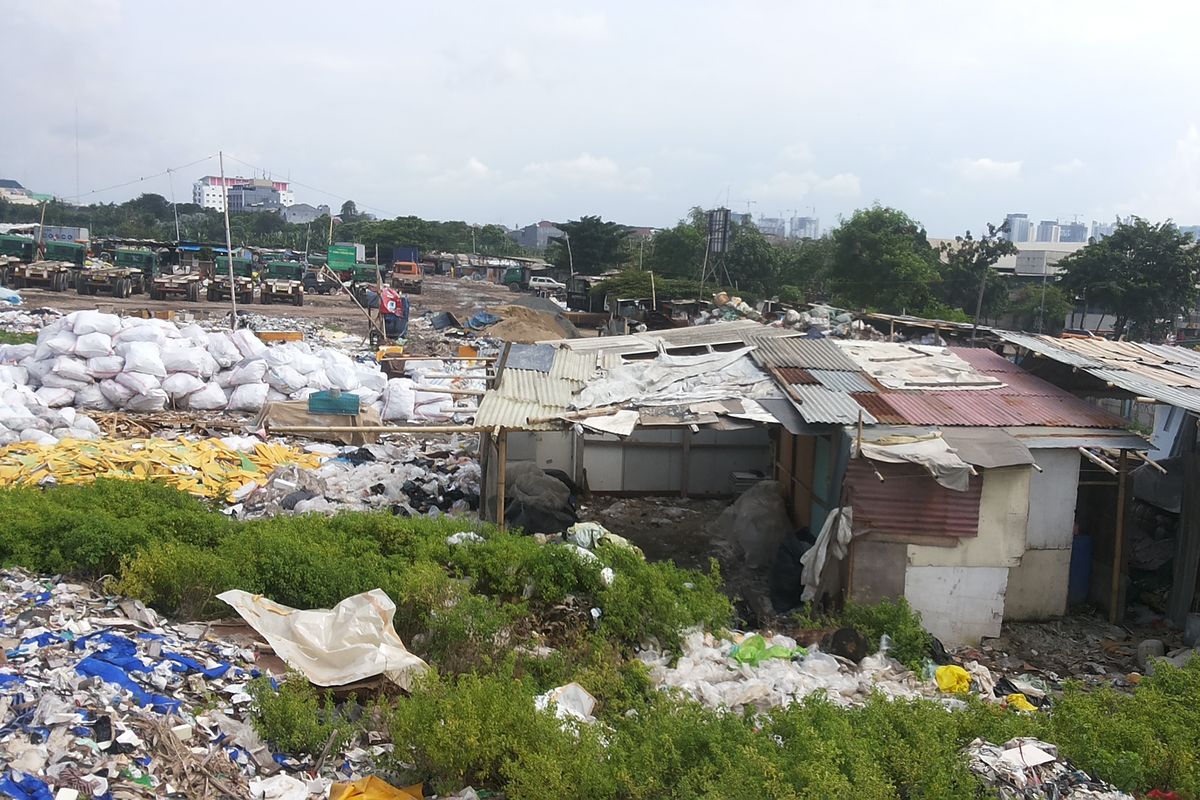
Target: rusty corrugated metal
(909,502)
(993,408)
(878,406)
(805,353)
(819,405)
(790,375)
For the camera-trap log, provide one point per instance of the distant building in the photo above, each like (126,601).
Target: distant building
(535,237)
(804,228)
(1073,232)
(1102,229)
(245,194)
(1048,230)
(772,226)
(1194,230)
(13,192)
(640,232)
(740,219)
(1032,259)
(303,213)
(1018,227)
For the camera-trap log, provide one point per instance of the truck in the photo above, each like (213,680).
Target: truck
(407,277)
(283,281)
(103,276)
(53,275)
(245,276)
(342,258)
(14,250)
(142,263)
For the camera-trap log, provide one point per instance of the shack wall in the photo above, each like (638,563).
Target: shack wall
(1038,585)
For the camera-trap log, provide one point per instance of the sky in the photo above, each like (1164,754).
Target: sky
(957,113)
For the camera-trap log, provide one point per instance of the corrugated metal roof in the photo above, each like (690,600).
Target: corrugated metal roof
(578,367)
(805,353)
(505,412)
(1047,347)
(530,356)
(1148,387)
(839,381)
(992,409)
(909,502)
(878,406)
(538,387)
(790,375)
(820,405)
(697,336)
(1044,438)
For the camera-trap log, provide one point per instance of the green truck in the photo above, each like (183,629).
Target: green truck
(283,282)
(245,276)
(341,260)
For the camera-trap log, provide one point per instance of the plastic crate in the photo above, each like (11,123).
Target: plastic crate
(333,403)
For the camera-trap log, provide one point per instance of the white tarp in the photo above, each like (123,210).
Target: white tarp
(621,423)
(911,366)
(350,642)
(930,452)
(832,545)
(668,380)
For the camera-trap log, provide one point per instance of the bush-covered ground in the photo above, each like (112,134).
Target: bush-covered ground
(477,611)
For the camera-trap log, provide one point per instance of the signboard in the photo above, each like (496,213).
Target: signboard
(62,233)
(718,230)
(342,256)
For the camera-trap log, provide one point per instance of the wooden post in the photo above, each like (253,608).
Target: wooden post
(685,469)
(1119,539)
(502,466)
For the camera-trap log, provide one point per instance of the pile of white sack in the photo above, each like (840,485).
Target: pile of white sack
(103,362)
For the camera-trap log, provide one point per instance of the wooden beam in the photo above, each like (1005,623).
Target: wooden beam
(1115,613)
(1098,461)
(502,463)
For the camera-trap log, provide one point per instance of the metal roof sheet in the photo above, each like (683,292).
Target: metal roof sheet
(530,356)
(847,382)
(696,336)
(805,353)
(909,502)
(790,375)
(505,412)
(538,387)
(820,405)
(1148,387)
(579,367)
(1046,438)
(992,409)
(878,407)
(1047,347)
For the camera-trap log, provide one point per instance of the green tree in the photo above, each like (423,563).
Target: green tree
(805,268)
(349,211)
(752,261)
(589,243)
(1145,274)
(968,280)
(1041,308)
(882,260)
(677,252)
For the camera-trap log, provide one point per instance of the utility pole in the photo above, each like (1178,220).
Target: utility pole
(570,256)
(174,206)
(228,245)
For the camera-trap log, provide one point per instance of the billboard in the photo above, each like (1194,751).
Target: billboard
(342,256)
(718,230)
(62,233)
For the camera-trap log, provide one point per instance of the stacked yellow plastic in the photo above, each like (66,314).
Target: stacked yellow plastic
(206,467)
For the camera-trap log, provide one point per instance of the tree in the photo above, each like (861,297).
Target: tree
(349,211)
(882,260)
(589,243)
(968,280)
(679,251)
(1037,307)
(1143,273)
(751,261)
(805,268)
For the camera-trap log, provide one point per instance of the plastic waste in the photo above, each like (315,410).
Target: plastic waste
(953,679)
(753,650)
(1019,702)
(372,788)
(571,701)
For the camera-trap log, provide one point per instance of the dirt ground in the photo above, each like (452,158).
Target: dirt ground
(665,528)
(460,297)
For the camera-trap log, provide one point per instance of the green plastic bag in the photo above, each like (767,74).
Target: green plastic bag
(753,650)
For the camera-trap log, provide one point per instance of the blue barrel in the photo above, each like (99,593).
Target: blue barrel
(1081,570)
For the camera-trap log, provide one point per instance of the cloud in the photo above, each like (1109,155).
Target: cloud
(986,169)
(796,153)
(471,171)
(1069,167)
(586,171)
(786,186)
(590,28)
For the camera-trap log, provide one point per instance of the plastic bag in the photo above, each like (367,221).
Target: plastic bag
(754,650)
(192,360)
(105,367)
(93,345)
(953,679)
(340,370)
(85,322)
(286,379)
(139,331)
(55,398)
(249,345)
(249,372)
(37,437)
(248,396)
(143,357)
(1019,702)
(153,400)
(181,384)
(209,398)
(91,396)
(194,333)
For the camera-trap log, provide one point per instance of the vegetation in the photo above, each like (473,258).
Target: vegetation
(588,246)
(882,260)
(17,338)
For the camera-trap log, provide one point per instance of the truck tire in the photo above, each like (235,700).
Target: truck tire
(265,299)
(212,294)
(193,292)
(154,295)
(298,299)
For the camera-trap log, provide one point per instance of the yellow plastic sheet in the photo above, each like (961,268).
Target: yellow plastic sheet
(1019,702)
(373,788)
(206,467)
(953,679)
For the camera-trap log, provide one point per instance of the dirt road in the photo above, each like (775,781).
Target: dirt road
(339,311)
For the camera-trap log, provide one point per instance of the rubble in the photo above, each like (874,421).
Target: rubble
(29,320)
(1028,769)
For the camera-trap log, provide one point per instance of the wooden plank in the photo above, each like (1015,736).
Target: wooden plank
(1187,549)
(280,336)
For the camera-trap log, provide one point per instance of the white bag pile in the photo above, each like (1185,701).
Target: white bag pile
(91,360)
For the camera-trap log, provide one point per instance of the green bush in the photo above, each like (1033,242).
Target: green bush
(296,719)
(17,338)
(896,619)
(181,578)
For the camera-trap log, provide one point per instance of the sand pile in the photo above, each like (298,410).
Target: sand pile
(525,326)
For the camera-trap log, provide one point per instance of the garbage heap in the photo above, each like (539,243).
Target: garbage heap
(95,361)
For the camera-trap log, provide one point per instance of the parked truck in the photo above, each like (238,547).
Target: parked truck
(103,277)
(14,250)
(245,277)
(53,275)
(407,277)
(283,282)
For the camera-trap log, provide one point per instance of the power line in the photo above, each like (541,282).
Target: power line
(166,171)
(335,195)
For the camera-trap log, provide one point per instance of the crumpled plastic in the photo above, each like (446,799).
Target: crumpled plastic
(1019,702)
(753,650)
(352,641)
(571,701)
(373,788)
(953,679)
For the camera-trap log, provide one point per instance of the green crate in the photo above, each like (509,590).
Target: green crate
(333,403)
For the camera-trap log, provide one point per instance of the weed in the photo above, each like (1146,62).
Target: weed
(896,619)
(296,719)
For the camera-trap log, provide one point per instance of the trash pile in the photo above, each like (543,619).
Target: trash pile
(1026,768)
(23,418)
(313,332)
(101,698)
(210,468)
(28,320)
(101,362)
(411,478)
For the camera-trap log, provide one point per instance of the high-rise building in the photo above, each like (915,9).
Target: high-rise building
(1102,229)
(1048,230)
(1072,232)
(772,226)
(1018,227)
(805,228)
(245,194)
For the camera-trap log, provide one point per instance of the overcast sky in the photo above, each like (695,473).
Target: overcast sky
(517,111)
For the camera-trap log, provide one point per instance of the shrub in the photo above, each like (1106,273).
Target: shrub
(180,579)
(896,619)
(296,719)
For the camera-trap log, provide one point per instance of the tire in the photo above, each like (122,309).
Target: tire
(128,290)
(193,292)
(212,294)
(298,299)
(265,299)
(154,295)
(247,298)
(82,287)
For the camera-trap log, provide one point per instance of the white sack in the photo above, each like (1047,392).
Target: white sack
(210,398)
(249,372)
(138,382)
(340,370)
(55,398)
(399,400)
(285,379)
(14,374)
(105,367)
(85,322)
(37,368)
(153,400)
(71,369)
(143,357)
(61,343)
(195,333)
(138,331)
(37,437)
(191,360)
(249,345)
(181,384)
(12,353)
(318,380)
(248,397)
(372,378)
(59,382)
(92,397)
(353,641)
(85,423)
(93,345)
(305,362)
(116,393)
(222,349)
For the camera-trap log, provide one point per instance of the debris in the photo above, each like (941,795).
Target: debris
(953,679)
(373,788)
(753,650)
(1028,769)
(1019,702)
(1148,650)
(571,701)
(353,641)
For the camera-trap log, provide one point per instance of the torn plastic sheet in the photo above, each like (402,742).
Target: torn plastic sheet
(352,641)
(621,423)
(667,379)
(833,543)
(930,452)
(571,701)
